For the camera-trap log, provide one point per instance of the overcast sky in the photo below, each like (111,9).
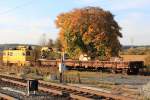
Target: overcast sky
(24,21)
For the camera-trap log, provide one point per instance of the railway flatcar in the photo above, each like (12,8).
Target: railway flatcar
(126,67)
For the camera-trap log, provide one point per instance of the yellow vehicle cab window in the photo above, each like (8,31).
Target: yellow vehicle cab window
(28,53)
(10,53)
(23,54)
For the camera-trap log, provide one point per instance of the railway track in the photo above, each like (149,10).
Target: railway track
(12,85)
(63,90)
(6,97)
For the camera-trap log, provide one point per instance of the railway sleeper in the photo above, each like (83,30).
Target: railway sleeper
(6,97)
(98,97)
(89,96)
(65,94)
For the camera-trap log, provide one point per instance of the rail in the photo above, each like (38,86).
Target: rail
(76,93)
(6,97)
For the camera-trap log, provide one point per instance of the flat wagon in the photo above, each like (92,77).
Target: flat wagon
(113,66)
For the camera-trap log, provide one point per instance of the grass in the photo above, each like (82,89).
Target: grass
(105,86)
(145,91)
(134,57)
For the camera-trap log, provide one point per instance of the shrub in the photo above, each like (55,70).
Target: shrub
(145,91)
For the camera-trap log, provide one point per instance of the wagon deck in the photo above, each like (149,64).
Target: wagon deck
(114,66)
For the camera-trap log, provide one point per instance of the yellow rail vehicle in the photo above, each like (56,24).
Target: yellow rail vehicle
(21,56)
(44,52)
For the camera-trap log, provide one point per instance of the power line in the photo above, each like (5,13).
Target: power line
(17,7)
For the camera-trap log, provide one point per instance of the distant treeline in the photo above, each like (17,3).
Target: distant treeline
(6,46)
(139,50)
(135,46)
(124,47)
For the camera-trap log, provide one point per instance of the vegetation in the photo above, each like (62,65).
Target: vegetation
(89,30)
(145,91)
(147,60)
(139,51)
(37,51)
(54,55)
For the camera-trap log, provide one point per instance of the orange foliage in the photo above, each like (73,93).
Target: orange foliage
(90,29)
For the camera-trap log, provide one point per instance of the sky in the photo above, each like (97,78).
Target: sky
(25,21)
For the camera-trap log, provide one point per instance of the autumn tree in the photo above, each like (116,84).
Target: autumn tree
(89,30)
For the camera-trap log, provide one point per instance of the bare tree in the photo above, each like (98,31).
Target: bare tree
(43,41)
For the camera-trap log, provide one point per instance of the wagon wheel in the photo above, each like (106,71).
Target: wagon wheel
(124,71)
(113,71)
(136,71)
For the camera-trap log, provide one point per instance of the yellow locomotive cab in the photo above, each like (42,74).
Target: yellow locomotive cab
(21,56)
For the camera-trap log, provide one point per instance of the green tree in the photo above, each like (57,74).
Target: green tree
(58,45)
(89,30)
(50,43)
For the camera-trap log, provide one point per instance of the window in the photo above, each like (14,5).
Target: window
(28,53)
(23,54)
(10,54)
